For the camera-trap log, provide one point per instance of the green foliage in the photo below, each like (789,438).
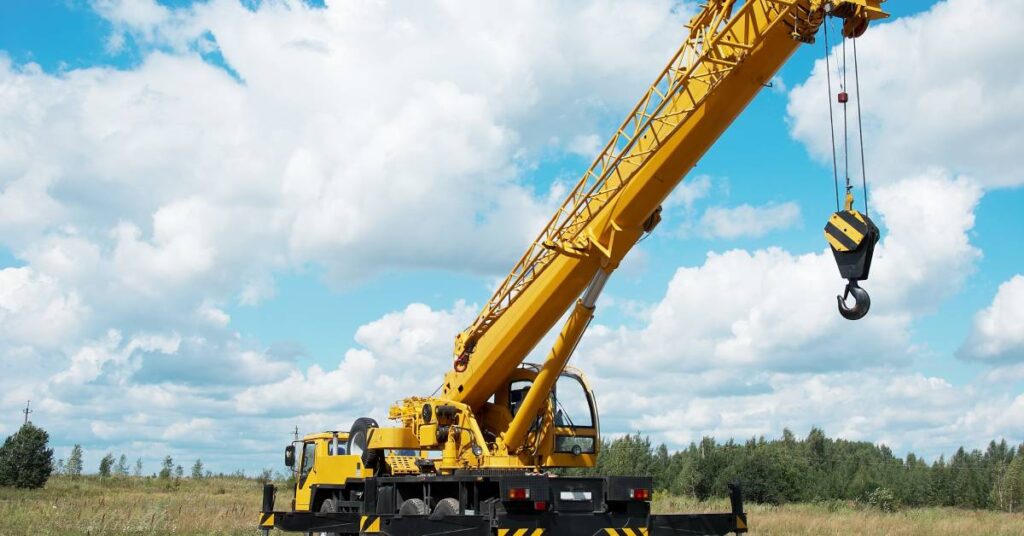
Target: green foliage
(122,466)
(197,469)
(821,470)
(106,465)
(883,499)
(167,468)
(74,466)
(25,460)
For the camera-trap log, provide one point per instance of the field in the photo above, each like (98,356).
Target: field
(229,506)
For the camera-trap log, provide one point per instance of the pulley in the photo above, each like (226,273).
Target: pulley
(852,237)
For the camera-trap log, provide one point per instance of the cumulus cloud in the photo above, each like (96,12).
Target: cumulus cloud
(250,141)
(997,334)
(774,309)
(930,99)
(35,311)
(755,339)
(403,353)
(748,221)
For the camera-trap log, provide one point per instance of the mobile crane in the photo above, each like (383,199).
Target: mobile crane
(474,457)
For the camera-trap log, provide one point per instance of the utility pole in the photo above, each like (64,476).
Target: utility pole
(27,411)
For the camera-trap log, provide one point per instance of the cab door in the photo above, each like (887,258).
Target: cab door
(303,481)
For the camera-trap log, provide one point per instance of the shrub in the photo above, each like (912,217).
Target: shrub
(25,460)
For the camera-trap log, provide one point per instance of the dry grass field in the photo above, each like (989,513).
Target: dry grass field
(88,506)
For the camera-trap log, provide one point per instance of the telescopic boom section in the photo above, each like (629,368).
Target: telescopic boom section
(733,50)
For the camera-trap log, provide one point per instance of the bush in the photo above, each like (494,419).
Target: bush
(883,499)
(25,460)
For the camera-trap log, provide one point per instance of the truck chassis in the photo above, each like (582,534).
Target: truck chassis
(543,504)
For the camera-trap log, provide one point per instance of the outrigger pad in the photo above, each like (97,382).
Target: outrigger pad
(852,237)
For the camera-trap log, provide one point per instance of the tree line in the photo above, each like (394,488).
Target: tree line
(818,468)
(111,467)
(812,469)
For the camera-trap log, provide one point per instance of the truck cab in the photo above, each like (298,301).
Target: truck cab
(321,462)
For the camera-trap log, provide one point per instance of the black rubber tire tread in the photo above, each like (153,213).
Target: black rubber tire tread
(328,506)
(413,507)
(446,507)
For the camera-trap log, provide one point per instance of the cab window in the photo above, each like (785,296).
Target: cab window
(308,455)
(574,417)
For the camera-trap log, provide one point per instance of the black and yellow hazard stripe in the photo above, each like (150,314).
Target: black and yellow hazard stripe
(267,520)
(520,532)
(369,524)
(639,531)
(845,230)
(740,524)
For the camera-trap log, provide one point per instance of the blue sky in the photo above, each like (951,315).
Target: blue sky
(222,220)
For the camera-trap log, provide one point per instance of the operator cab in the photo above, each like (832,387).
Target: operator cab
(573,412)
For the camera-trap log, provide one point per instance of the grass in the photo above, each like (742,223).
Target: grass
(93,506)
(229,506)
(851,518)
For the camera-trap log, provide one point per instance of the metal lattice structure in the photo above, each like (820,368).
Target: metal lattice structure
(712,51)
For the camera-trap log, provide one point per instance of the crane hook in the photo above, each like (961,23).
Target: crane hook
(861,301)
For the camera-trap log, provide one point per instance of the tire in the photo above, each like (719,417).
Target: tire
(357,440)
(328,506)
(413,507)
(446,507)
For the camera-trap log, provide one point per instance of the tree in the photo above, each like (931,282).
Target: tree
(179,471)
(122,466)
(74,467)
(106,464)
(138,467)
(25,460)
(1008,491)
(167,468)
(197,469)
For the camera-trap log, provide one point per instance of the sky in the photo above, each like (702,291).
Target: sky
(223,220)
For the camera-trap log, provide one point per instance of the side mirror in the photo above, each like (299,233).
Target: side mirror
(289,456)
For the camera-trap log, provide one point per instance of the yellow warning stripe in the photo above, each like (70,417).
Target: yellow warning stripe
(369,524)
(638,531)
(520,532)
(845,230)
(267,520)
(740,524)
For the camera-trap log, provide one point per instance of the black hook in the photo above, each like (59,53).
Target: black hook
(862,302)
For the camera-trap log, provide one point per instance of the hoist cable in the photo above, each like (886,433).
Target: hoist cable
(846,131)
(831,121)
(860,130)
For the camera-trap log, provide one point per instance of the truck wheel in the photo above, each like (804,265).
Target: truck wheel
(413,507)
(357,441)
(446,507)
(327,506)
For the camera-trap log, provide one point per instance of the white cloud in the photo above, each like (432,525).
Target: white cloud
(748,221)
(688,192)
(34,309)
(774,310)
(997,334)
(930,99)
(401,354)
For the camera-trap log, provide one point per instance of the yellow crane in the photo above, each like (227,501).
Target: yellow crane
(475,454)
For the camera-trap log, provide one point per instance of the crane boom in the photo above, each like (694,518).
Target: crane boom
(732,51)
